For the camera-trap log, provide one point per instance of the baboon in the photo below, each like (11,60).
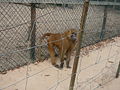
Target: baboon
(64,42)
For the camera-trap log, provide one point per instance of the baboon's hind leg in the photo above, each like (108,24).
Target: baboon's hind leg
(52,55)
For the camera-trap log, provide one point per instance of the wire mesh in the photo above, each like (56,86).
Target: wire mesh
(15,37)
(15,27)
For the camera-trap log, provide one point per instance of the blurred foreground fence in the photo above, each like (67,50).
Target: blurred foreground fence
(22,24)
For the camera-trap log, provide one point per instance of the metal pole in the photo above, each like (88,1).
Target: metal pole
(80,36)
(33,30)
(118,71)
(104,23)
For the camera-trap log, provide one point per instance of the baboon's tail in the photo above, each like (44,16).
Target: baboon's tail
(46,34)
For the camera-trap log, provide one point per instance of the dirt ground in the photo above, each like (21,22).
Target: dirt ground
(96,71)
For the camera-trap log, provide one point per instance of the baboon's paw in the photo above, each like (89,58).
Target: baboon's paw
(57,66)
(68,66)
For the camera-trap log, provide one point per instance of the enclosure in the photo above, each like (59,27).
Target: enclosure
(23,23)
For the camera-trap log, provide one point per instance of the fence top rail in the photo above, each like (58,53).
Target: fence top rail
(62,2)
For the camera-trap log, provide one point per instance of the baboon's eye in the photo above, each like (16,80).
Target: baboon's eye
(74,33)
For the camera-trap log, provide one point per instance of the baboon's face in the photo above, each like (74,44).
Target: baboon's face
(73,35)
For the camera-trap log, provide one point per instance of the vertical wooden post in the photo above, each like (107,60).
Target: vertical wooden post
(118,71)
(114,5)
(104,23)
(33,30)
(80,36)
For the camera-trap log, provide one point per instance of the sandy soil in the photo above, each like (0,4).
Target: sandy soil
(96,71)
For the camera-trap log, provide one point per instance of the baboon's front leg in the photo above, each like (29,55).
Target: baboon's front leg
(52,55)
(68,54)
(61,58)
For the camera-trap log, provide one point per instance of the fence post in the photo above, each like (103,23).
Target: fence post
(114,5)
(80,36)
(32,32)
(118,71)
(104,23)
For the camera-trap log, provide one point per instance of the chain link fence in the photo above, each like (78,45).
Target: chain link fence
(16,32)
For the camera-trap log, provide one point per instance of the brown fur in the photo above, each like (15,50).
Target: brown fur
(64,46)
